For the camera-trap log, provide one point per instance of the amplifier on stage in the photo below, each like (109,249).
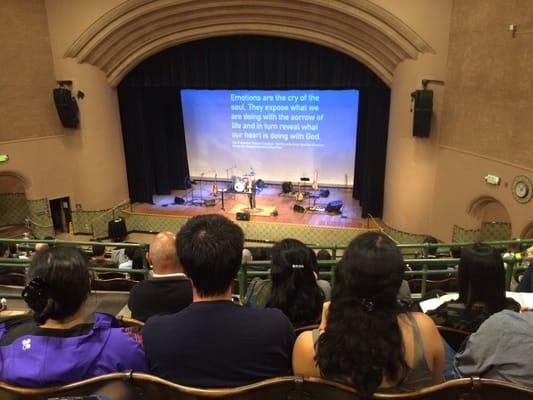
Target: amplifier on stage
(116,229)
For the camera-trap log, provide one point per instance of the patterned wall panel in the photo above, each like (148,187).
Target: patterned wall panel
(253,230)
(462,235)
(495,231)
(13,208)
(94,222)
(401,236)
(39,214)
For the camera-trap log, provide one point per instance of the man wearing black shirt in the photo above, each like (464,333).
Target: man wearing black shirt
(214,342)
(168,290)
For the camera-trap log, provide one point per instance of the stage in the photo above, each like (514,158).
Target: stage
(269,199)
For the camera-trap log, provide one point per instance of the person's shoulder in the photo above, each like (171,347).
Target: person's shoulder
(425,323)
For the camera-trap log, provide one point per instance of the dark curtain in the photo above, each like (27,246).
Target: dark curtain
(150,108)
(371,150)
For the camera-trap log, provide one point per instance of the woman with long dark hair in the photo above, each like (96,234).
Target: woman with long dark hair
(292,286)
(59,346)
(364,338)
(481,281)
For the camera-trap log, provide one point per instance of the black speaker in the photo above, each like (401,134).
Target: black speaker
(210,202)
(243,216)
(116,230)
(66,106)
(423,111)
(286,187)
(298,208)
(334,206)
(324,192)
(179,200)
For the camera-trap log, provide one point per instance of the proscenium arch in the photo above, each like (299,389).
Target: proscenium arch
(137,29)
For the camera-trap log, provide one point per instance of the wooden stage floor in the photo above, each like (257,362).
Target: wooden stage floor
(270,197)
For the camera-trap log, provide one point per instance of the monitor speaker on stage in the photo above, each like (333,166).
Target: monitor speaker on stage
(334,206)
(210,202)
(179,200)
(116,229)
(298,208)
(286,187)
(243,216)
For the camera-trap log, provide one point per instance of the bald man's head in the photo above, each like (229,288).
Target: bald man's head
(163,254)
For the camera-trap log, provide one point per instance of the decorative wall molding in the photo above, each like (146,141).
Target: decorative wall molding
(137,29)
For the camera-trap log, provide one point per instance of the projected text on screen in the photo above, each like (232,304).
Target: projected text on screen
(281,134)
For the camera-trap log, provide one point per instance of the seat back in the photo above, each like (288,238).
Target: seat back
(99,384)
(111,275)
(131,322)
(490,389)
(319,389)
(13,279)
(454,337)
(152,387)
(116,284)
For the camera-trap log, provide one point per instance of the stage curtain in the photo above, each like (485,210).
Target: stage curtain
(371,150)
(150,107)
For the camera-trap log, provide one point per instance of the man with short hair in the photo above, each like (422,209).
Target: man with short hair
(169,290)
(98,260)
(215,342)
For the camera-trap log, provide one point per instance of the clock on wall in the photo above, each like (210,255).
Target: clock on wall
(522,189)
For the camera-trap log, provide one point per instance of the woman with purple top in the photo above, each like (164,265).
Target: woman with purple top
(59,347)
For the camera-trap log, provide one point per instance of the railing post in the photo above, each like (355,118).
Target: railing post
(509,272)
(423,287)
(242,282)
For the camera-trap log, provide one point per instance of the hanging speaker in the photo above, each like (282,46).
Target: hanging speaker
(423,110)
(66,106)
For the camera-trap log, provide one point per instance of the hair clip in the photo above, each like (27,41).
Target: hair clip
(368,305)
(297,266)
(34,294)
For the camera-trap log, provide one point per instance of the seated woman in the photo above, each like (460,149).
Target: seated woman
(59,347)
(481,281)
(364,339)
(292,286)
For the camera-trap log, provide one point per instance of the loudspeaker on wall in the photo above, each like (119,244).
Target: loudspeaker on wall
(423,110)
(66,106)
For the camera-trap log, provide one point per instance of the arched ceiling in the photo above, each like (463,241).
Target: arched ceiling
(137,29)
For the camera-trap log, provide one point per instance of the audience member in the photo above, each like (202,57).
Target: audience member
(215,342)
(129,254)
(41,246)
(364,339)
(292,286)
(498,350)
(481,281)
(169,290)
(5,251)
(58,347)
(526,283)
(98,260)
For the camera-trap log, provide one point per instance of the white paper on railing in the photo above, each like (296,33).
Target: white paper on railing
(436,302)
(525,300)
